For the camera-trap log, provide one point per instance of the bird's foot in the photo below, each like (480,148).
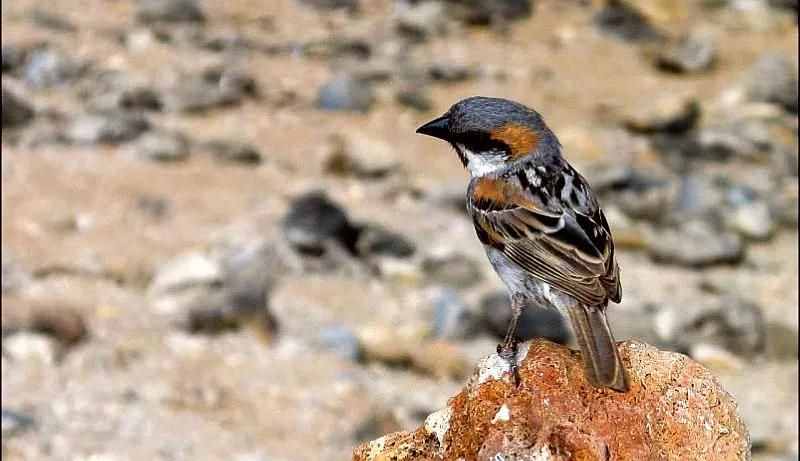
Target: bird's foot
(508,352)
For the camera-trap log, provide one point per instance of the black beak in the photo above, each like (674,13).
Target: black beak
(438,128)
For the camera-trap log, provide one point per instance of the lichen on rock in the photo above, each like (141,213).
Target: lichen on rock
(675,410)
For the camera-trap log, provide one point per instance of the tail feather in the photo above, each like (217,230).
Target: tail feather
(601,360)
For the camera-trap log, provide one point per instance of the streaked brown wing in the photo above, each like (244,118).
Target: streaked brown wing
(569,250)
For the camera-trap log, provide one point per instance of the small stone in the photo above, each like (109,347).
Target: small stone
(695,52)
(197,95)
(452,317)
(187,270)
(126,97)
(341,341)
(390,346)
(715,357)
(773,79)
(313,219)
(163,146)
(234,152)
(740,138)
(47,67)
(26,347)
(346,93)
(13,57)
(374,240)
(696,243)
(454,270)
(14,423)
(733,324)
(50,20)
(667,114)
(622,20)
(420,20)
(106,128)
(414,98)
(168,11)
(752,220)
(450,72)
(348,5)
(359,156)
(488,12)
(534,322)
(16,111)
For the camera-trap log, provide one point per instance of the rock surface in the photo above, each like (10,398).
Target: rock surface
(675,410)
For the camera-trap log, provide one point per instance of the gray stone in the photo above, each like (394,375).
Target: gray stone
(766,396)
(106,128)
(420,20)
(13,57)
(453,270)
(672,114)
(46,67)
(313,219)
(375,240)
(752,220)
(773,78)
(16,112)
(414,98)
(731,323)
(742,138)
(341,341)
(168,11)
(452,317)
(696,243)
(196,95)
(621,20)
(190,269)
(15,423)
(163,146)
(489,12)
(691,53)
(26,346)
(349,5)
(346,93)
(234,152)
(534,322)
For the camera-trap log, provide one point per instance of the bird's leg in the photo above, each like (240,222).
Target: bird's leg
(508,349)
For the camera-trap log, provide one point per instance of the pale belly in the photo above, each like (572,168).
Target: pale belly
(537,292)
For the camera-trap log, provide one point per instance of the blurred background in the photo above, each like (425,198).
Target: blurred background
(222,239)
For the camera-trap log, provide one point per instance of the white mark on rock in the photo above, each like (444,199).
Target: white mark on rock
(438,424)
(494,366)
(376,447)
(502,415)
(542,454)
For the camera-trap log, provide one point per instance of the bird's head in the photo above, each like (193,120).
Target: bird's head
(490,133)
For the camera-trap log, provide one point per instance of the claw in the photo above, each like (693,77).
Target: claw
(508,352)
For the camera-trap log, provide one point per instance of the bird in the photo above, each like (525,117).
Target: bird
(540,224)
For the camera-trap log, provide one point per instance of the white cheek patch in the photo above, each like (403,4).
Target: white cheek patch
(480,165)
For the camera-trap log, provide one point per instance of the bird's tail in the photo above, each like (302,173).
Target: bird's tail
(600,357)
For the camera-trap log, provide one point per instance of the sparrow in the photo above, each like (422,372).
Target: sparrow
(540,224)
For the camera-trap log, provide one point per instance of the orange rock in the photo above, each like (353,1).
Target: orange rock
(675,410)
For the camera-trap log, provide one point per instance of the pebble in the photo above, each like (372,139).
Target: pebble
(489,12)
(695,52)
(733,324)
(341,341)
(14,422)
(773,79)
(346,93)
(359,156)
(696,243)
(27,346)
(452,317)
(168,11)
(621,20)
(234,152)
(47,67)
(375,240)
(106,128)
(197,95)
(313,219)
(414,98)
(534,322)
(163,146)
(752,220)
(420,20)
(187,270)
(16,111)
(672,114)
(452,269)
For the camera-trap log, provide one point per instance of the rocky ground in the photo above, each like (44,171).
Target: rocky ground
(223,240)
